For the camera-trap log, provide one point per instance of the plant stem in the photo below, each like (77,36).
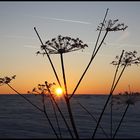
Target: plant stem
(88,65)
(63,72)
(111,111)
(93,54)
(111,117)
(25,98)
(67,98)
(107,102)
(100,32)
(55,114)
(35,107)
(121,121)
(93,118)
(44,110)
(49,59)
(59,111)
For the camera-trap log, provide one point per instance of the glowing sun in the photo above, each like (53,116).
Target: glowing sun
(59,91)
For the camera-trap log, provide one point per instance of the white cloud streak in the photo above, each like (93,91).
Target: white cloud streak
(63,20)
(66,20)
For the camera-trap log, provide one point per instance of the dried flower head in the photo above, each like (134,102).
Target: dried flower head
(62,45)
(6,80)
(41,89)
(111,25)
(126,98)
(128,59)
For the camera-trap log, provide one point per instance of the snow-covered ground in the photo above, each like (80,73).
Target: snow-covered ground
(19,119)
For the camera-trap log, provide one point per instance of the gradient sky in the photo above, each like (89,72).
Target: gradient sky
(19,43)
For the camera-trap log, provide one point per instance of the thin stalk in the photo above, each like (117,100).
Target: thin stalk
(111,111)
(121,120)
(88,65)
(116,71)
(56,78)
(111,117)
(35,107)
(100,32)
(110,95)
(93,118)
(45,112)
(60,111)
(63,72)
(67,98)
(49,59)
(55,114)
(107,102)
(93,54)
(71,118)
(25,98)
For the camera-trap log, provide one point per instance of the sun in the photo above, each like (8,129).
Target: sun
(59,91)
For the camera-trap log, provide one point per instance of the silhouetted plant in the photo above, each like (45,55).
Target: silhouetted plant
(93,118)
(61,45)
(126,59)
(111,25)
(46,88)
(108,26)
(64,45)
(6,80)
(43,91)
(95,51)
(127,99)
(45,52)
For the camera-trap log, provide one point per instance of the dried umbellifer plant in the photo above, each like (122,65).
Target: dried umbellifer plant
(126,59)
(126,99)
(7,80)
(61,45)
(46,91)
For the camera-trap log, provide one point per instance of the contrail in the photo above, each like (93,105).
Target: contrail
(64,20)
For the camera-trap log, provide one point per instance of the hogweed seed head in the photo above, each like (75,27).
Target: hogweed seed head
(126,98)
(111,25)
(128,59)
(62,45)
(41,89)
(6,80)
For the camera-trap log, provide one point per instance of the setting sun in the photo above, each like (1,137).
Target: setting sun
(59,91)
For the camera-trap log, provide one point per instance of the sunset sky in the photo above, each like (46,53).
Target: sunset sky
(19,44)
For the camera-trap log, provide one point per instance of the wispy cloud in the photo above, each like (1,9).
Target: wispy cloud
(67,20)
(61,19)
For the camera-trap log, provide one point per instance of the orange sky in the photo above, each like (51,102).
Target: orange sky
(19,43)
